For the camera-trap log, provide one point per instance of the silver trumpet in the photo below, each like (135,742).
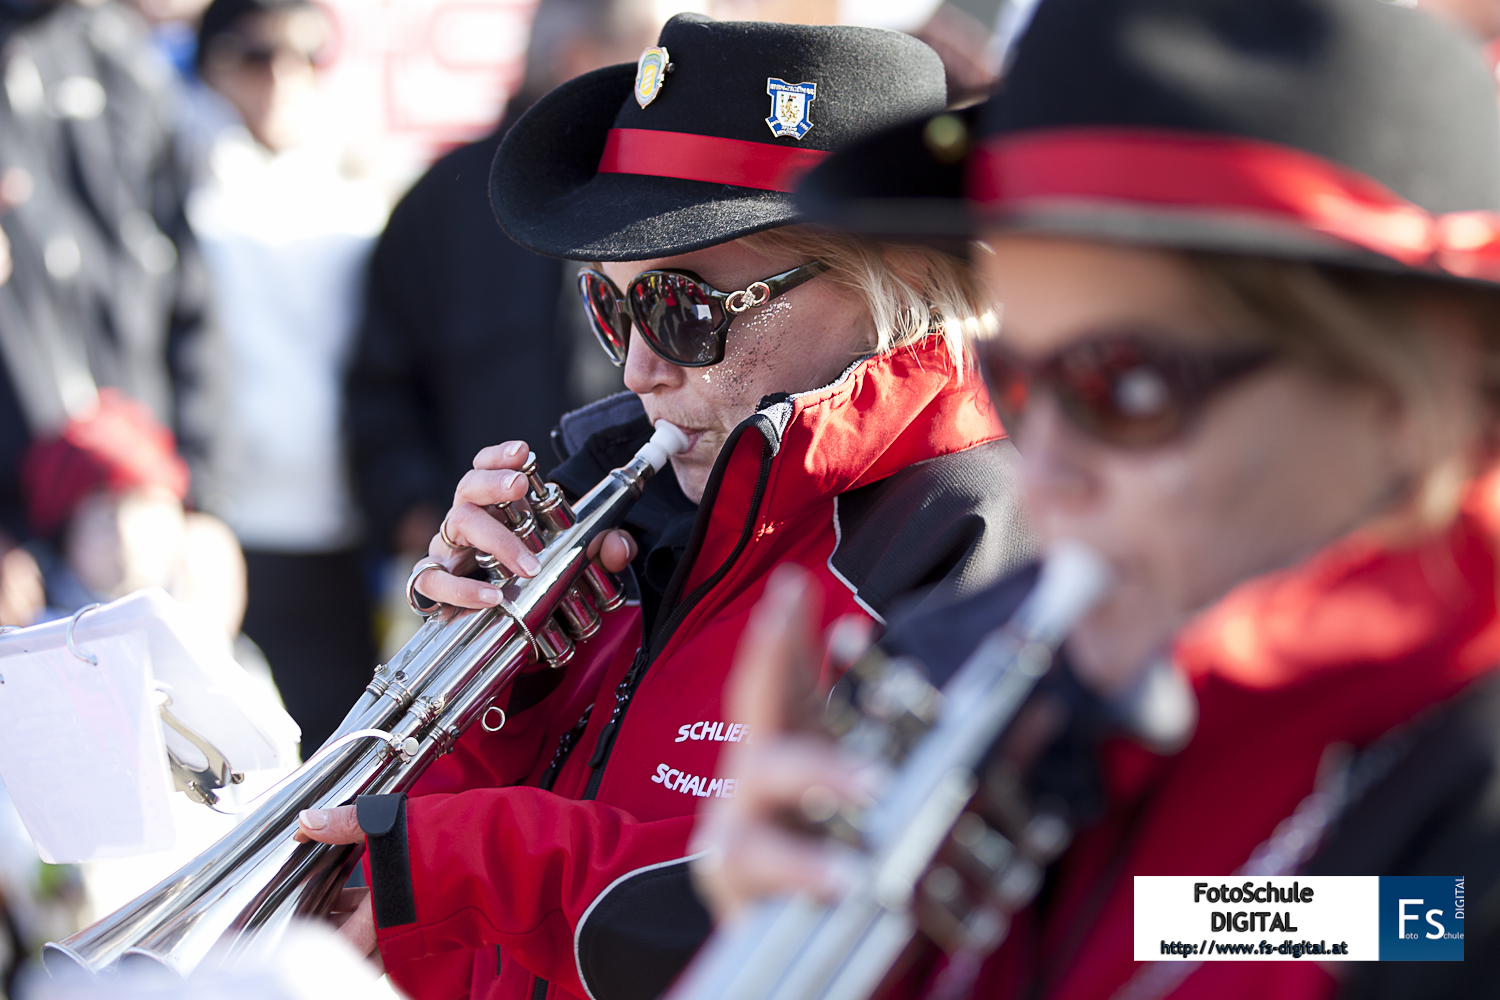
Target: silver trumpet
(952,847)
(237,897)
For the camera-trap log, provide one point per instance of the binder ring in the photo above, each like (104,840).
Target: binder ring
(88,658)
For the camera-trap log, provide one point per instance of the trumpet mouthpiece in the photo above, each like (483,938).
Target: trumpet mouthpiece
(666,442)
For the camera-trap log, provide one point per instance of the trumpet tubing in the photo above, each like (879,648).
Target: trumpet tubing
(241,893)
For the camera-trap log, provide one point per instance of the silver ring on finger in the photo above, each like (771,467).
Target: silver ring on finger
(414,599)
(447,540)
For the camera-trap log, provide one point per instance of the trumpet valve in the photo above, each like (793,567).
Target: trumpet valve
(552,510)
(492,569)
(608,594)
(578,614)
(557,649)
(527,532)
(539,489)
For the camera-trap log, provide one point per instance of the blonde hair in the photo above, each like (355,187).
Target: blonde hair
(1395,334)
(911,292)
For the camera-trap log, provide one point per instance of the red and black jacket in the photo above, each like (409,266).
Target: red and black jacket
(548,858)
(1393,653)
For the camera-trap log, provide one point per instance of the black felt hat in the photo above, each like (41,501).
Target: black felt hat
(703,140)
(1340,131)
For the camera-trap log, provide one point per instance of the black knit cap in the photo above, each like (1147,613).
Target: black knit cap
(707,119)
(1339,131)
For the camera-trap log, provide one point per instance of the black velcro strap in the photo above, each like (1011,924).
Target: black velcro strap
(383,819)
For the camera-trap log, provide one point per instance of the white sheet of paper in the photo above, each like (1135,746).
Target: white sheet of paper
(81,751)
(211,694)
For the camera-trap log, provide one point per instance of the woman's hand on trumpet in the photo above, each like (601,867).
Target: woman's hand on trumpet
(746,848)
(469,527)
(353,913)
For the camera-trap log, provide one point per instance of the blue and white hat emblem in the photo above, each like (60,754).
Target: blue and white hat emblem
(789,106)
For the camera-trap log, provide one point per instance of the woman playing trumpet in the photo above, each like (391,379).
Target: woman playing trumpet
(821,382)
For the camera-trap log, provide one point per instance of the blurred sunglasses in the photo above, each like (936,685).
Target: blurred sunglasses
(1123,390)
(261,57)
(681,317)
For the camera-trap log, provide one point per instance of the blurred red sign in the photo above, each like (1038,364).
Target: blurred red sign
(427,73)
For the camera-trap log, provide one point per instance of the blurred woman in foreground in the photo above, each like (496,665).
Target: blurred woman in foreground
(1248,259)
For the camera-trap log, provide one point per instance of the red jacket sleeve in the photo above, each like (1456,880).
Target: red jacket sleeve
(517,867)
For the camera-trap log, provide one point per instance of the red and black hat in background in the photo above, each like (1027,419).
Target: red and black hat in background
(702,141)
(1349,132)
(116,445)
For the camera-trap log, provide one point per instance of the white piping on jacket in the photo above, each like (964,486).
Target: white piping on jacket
(578,931)
(838,538)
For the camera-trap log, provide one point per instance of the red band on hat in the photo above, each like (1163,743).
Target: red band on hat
(710,158)
(1229,177)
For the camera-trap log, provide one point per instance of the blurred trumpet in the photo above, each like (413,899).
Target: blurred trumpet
(238,897)
(952,847)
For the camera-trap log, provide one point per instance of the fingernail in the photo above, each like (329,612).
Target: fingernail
(489,595)
(529,564)
(516,447)
(314,819)
(515,477)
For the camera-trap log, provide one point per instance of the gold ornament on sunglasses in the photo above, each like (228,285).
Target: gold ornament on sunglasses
(758,294)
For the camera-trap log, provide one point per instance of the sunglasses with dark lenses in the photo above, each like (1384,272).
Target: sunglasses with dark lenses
(680,316)
(1121,389)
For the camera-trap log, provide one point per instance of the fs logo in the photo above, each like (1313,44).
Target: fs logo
(1422,918)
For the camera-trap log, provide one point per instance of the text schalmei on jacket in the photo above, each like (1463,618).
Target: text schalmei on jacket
(1328,918)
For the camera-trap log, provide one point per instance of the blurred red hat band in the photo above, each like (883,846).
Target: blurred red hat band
(1225,175)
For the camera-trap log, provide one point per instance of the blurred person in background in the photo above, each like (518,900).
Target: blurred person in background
(174,29)
(104,284)
(287,225)
(106,496)
(108,287)
(22,593)
(106,303)
(467,338)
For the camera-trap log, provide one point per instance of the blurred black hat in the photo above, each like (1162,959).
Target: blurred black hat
(703,140)
(1341,131)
